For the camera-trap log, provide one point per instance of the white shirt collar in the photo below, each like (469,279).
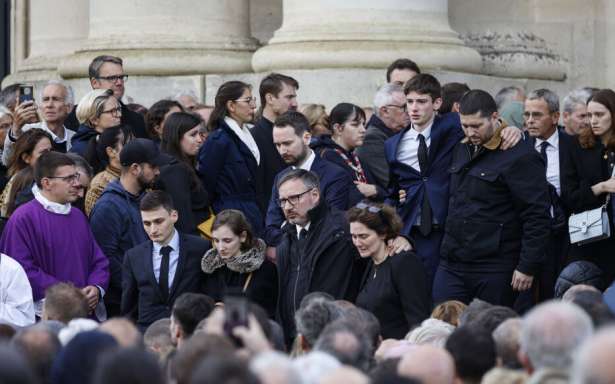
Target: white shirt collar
(174,243)
(553,140)
(426,132)
(245,136)
(307,163)
(62,209)
(299,228)
(43,125)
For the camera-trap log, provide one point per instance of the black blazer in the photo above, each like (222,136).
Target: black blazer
(141,297)
(271,161)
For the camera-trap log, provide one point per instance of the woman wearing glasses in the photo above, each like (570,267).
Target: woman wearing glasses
(347,122)
(394,288)
(97,111)
(228,162)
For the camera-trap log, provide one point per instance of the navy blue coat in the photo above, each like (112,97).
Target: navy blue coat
(335,184)
(325,147)
(79,142)
(229,173)
(446,132)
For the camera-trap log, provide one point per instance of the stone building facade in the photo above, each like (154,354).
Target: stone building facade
(337,49)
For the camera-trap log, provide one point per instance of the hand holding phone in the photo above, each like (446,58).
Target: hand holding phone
(26,93)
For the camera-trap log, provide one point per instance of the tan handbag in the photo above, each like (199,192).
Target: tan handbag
(206,226)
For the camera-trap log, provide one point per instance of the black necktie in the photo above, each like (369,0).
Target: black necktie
(302,234)
(426,218)
(543,151)
(163,280)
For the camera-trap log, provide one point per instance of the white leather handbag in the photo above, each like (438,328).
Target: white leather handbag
(589,226)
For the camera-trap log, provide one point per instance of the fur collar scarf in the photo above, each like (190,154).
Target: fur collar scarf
(246,262)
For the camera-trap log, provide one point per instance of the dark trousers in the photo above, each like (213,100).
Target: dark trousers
(454,284)
(427,249)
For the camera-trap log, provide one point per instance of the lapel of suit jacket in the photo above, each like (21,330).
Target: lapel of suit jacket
(243,149)
(149,262)
(180,265)
(436,139)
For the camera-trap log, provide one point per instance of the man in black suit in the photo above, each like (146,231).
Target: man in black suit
(156,272)
(541,117)
(107,72)
(278,94)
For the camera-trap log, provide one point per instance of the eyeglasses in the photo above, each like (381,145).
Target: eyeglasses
(114,111)
(69,179)
(293,199)
(401,107)
(249,100)
(113,79)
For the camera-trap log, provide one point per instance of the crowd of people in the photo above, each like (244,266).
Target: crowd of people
(442,235)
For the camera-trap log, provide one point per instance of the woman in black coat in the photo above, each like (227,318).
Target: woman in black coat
(237,263)
(181,140)
(394,288)
(587,178)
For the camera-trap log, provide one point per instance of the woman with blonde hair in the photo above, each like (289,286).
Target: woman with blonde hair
(318,118)
(97,111)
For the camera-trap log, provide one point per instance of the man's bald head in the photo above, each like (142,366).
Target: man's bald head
(429,364)
(124,332)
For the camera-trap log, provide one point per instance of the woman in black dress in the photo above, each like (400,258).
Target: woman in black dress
(394,288)
(587,178)
(181,140)
(237,263)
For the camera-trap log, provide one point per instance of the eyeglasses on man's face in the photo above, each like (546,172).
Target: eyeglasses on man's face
(114,78)
(403,107)
(68,179)
(292,199)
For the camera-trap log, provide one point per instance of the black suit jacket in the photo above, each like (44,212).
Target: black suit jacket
(141,297)
(129,118)
(271,161)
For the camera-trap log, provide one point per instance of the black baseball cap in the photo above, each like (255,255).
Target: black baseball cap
(142,151)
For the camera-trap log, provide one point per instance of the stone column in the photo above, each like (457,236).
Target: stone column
(45,32)
(168,38)
(508,37)
(319,34)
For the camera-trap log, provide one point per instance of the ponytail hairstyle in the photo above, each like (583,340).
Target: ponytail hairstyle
(229,91)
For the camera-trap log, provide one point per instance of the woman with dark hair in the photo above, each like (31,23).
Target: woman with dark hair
(97,111)
(394,288)
(587,178)
(108,148)
(181,140)
(347,122)
(28,148)
(229,160)
(237,263)
(156,116)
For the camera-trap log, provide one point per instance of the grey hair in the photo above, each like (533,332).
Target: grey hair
(575,97)
(343,341)
(315,366)
(506,337)
(507,94)
(551,332)
(70,94)
(185,93)
(384,96)
(547,95)
(94,68)
(431,331)
(269,361)
(314,317)
(310,179)
(590,358)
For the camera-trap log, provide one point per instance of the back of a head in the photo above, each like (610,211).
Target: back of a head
(346,375)
(451,94)
(504,376)
(572,292)
(386,373)
(477,101)
(314,317)
(189,309)
(197,348)
(274,367)
(157,337)
(473,350)
(593,304)
(508,94)
(550,333)
(342,341)
(473,310)
(594,360)
(507,338)
(124,332)
(449,311)
(13,368)
(492,317)
(39,346)
(64,302)
(315,365)
(128,365)
(364,322)
(223,370)
(431,331)
(429,364)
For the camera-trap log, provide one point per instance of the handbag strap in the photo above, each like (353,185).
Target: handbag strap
(247,283)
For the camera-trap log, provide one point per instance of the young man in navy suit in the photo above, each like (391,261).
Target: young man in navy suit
(158,271)
(419,158)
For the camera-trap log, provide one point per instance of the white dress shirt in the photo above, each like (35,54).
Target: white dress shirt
(245,136)
(408,151)
(553,175)
(10,142)
(16,305)
(299,228)
(307,164)
(173,258)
